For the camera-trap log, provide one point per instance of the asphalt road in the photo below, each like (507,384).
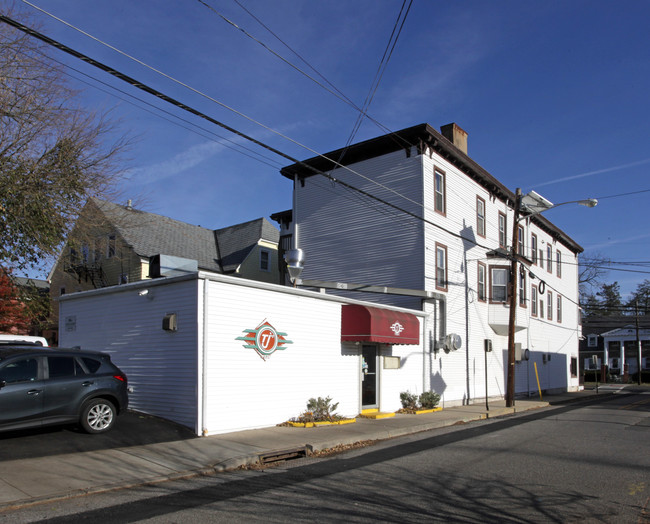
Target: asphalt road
(131,429)
(575,463)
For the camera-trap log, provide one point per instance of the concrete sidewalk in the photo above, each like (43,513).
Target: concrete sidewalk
(61,476)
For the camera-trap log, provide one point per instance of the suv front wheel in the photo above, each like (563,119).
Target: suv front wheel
(98,416)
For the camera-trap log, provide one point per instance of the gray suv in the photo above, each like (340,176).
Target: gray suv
(44,386)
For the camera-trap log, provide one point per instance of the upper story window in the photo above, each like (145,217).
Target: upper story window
(480,216)
(549,259)
(558,310)
(520,240)
(558,263)
(265,260)
(592,341)
(98,250)
(541,258)
(549,305)
(110,251)
(440,191)
(481,282)
(498,284)
(441,267)
(522,288)
(533,301)
(533,247)
(503,237)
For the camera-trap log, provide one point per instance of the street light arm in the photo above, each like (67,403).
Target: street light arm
(589,202)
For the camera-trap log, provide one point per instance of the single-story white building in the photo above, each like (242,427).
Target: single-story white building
(220,354)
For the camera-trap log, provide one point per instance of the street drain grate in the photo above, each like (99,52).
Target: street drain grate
(272,457)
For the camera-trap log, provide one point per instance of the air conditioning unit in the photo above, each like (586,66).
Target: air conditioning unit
(452,342)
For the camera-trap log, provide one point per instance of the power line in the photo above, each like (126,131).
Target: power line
(392,135)
(379,74)
(150,90)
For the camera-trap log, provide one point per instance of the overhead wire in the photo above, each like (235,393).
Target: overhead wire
(388,52)
(152,91)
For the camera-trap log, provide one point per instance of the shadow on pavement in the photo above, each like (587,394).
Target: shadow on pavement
(132,429)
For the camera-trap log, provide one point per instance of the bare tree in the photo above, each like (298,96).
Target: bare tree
(593,269)
(54,154)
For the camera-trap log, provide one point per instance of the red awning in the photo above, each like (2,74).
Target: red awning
(372,324)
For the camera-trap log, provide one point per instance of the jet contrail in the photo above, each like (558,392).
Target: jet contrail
(591,173)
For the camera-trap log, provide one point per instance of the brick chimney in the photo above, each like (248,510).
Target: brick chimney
(455,135)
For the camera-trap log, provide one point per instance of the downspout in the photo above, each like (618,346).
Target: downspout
(203,348)
(295,211)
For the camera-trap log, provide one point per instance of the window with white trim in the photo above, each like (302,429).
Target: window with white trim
(549,259)
(440,191)
(110,247)
(498,284)
(480,216)
(265,260)
(549,305)
(522,288)
(481,282)
(520,241)
(533,300)
(559,309)
(592,341)
(533,248)
(558,263)
(441,267)
(503,236)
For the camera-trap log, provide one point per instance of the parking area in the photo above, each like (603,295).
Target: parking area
(132,429)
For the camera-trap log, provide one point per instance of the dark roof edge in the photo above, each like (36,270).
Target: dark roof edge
(424,137)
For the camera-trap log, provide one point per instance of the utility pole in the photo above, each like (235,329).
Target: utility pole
(510,390)
(638,340)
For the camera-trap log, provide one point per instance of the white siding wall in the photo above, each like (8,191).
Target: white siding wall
(351,238)
(389,249)
(235,388)
(160,365)
(244,391)
(412,376)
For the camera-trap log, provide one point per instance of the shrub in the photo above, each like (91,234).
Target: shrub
(322,409)
(409,400)
(429,399)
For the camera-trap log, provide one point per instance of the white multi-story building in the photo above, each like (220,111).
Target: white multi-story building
(412,210)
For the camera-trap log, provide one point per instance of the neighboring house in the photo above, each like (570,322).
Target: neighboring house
(443,231)
(113,244)
(613,340)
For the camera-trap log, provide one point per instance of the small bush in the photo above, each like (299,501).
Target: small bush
(319,410)
(409,400)
(429,400)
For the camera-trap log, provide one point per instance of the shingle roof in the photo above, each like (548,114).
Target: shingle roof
(236,242)
(151,234)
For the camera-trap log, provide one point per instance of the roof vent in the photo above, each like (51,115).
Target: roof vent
(455,135)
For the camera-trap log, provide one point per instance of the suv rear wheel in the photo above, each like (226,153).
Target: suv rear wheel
(98,416)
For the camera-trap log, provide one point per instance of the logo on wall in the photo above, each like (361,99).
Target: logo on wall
(397,328)
(264,339)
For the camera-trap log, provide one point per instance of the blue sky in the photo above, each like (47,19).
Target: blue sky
(554,96)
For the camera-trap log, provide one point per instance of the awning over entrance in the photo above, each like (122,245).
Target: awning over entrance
(372,324)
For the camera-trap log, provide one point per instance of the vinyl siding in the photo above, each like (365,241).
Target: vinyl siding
(161,366)
(348,237)
(276,389)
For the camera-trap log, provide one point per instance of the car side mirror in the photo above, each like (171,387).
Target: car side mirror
(2,384)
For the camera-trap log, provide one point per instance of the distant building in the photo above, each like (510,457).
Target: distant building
(113,244)
(613,341)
